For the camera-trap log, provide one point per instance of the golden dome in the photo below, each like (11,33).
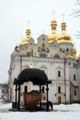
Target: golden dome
(28,32)
(64,37)
(74,56)
(74,50)
(53,35)
(63,25)
(24,41)
(53,22)
(27,38)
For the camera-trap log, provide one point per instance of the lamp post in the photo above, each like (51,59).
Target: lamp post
(31,60)
(47,106)
(65,78)
(16,96)
(20,63)
(19,90)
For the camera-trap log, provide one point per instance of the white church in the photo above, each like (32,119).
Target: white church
(56,55)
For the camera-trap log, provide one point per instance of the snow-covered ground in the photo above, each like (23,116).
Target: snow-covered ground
(61,112)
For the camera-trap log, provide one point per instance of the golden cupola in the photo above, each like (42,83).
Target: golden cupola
(64,37)
(27,38)
(53,35)
(74,52)
(74,56)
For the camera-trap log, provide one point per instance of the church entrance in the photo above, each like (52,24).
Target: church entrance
(59,99)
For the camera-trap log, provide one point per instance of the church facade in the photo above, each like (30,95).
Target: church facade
(56,55)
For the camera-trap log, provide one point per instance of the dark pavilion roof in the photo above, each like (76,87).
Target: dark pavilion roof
(36,76)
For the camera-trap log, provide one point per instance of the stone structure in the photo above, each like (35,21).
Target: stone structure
(56,55)
(4,92)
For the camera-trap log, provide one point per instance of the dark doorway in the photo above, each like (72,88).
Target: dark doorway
(59,100)
(25,89)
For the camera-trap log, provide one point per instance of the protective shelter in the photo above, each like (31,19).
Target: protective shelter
(37,77)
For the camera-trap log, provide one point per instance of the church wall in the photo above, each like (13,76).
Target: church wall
(51,69)
(78,80)
(74,82)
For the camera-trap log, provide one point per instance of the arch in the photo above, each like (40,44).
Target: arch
(59,67)
(44,68)
(25,66)
(36,76)
(56,55)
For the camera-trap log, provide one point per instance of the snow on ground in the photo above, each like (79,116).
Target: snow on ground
(61,112)
(6,105)
(70,107)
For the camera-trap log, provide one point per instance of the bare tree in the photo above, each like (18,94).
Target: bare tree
(76,12)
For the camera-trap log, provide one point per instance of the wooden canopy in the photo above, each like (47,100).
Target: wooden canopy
(36,76)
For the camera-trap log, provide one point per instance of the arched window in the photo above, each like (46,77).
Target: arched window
(59,73)
(44,68)
(67,50)
(25,66)
(59,89)
(74,77)
(56,56)
(60,49)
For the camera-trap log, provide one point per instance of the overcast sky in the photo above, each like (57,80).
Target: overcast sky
(14,15)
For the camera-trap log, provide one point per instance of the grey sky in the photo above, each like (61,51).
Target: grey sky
(14,15)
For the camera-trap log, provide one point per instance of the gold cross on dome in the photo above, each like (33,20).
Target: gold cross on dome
(63,16)
(28,23)
(43,31)
(53,14)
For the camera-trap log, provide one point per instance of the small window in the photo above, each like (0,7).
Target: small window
(63,51)
(74,65)
(59,89)
(67,50)
(75,93)
(74,77)
(60,49)
(43,39)
(59,73)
